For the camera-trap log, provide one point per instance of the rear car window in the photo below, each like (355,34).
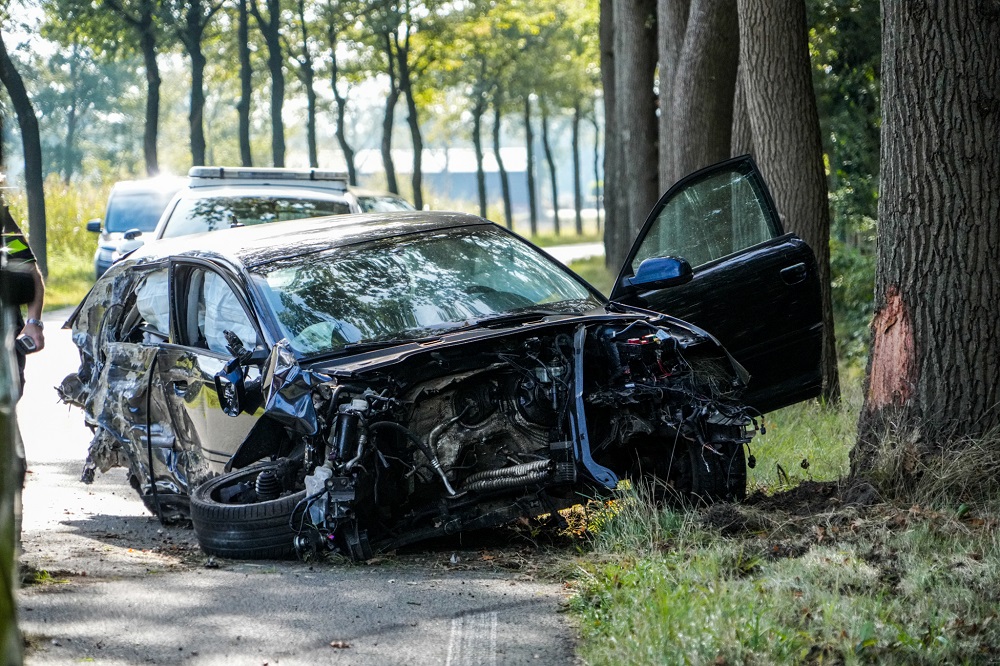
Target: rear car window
(195,216)
(135,210)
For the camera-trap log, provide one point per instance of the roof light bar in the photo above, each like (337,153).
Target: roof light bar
(266,173)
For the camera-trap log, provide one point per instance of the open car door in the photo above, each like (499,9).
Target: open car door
(713,252)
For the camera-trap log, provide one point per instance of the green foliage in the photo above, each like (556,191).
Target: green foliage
(70,246)
(781,583)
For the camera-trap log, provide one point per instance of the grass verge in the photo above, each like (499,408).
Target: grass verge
(809,575)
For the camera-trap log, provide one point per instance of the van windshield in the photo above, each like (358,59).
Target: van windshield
(135,210)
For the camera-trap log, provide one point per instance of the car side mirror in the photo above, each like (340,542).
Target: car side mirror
(660,272)
(231,388)
(132,233)
(94,225)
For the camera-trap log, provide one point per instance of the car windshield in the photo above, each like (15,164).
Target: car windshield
(135,210)
(195,216)
(383,204)
(414,286)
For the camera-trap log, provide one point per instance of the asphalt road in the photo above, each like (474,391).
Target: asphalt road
(119,588)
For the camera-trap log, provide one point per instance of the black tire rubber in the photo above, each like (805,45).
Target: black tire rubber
(256,531)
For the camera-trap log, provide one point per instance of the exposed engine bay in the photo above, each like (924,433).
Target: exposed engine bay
(473,436)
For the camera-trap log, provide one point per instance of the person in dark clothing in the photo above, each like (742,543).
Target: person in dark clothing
(18,251)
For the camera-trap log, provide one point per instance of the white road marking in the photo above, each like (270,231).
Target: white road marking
(473,640)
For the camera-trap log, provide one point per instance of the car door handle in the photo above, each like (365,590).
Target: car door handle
(794,274)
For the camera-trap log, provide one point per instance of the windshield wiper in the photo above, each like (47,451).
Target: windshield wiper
(504,318)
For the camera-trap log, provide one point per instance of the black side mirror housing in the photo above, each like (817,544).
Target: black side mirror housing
(94,225)
(229,384)
(131,234)
(660,272)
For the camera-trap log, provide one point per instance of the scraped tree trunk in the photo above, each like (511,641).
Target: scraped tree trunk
(637,127)
(246,83)
(701,118)
(32,146)
(932,371)
(529,142)
(781,104)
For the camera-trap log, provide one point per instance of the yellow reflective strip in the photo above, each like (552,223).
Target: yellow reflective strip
(15,245)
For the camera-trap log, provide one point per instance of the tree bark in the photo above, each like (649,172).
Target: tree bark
(197,114)
(742,139)
(932,371)
(147,42)
(577,184)
(508,215)
(32,147)
(529,142)
(271,29)
(307,73)
(613,220)
(412,117)
(702,112)
(477,143)
(246,83)
(341,123)
(550,161)
(597,168)
(388,119)
(781,105)
(672,22)
(635,67)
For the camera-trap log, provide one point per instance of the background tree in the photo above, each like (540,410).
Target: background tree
(302,54)
(32,145)
(932,370)
(635,174)
(781,106)
(270,24)
(246,81)
(189,19)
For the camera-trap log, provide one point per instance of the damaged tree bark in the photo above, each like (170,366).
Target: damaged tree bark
(932,374)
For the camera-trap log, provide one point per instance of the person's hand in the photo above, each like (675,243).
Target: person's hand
(34,332)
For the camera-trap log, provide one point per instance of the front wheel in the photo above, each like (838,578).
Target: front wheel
(231,521)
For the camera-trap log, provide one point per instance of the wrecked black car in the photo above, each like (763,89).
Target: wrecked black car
(363,382)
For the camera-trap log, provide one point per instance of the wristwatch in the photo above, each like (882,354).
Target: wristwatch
(34,322)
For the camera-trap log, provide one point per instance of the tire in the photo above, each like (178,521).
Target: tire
(253,531)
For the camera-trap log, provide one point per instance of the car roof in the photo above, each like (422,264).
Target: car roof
(157,184)
(264,243)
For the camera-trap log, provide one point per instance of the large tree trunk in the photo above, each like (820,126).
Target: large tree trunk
(774,53)
(742,139)
(196,117)
(307,74)
(388,119)
(550,161)
(672,21)
(246,84)
(932,372)
(412,118)
(341,124)
(529,142)
(577,185)
(613,220)
(271,29)
(637,127)
(477,143)
(597,168)
(702,113)
(32,147)
(147,43)
(508,215)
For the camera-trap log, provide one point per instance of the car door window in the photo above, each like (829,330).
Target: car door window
(208,308)
(142,316)
(719,215)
